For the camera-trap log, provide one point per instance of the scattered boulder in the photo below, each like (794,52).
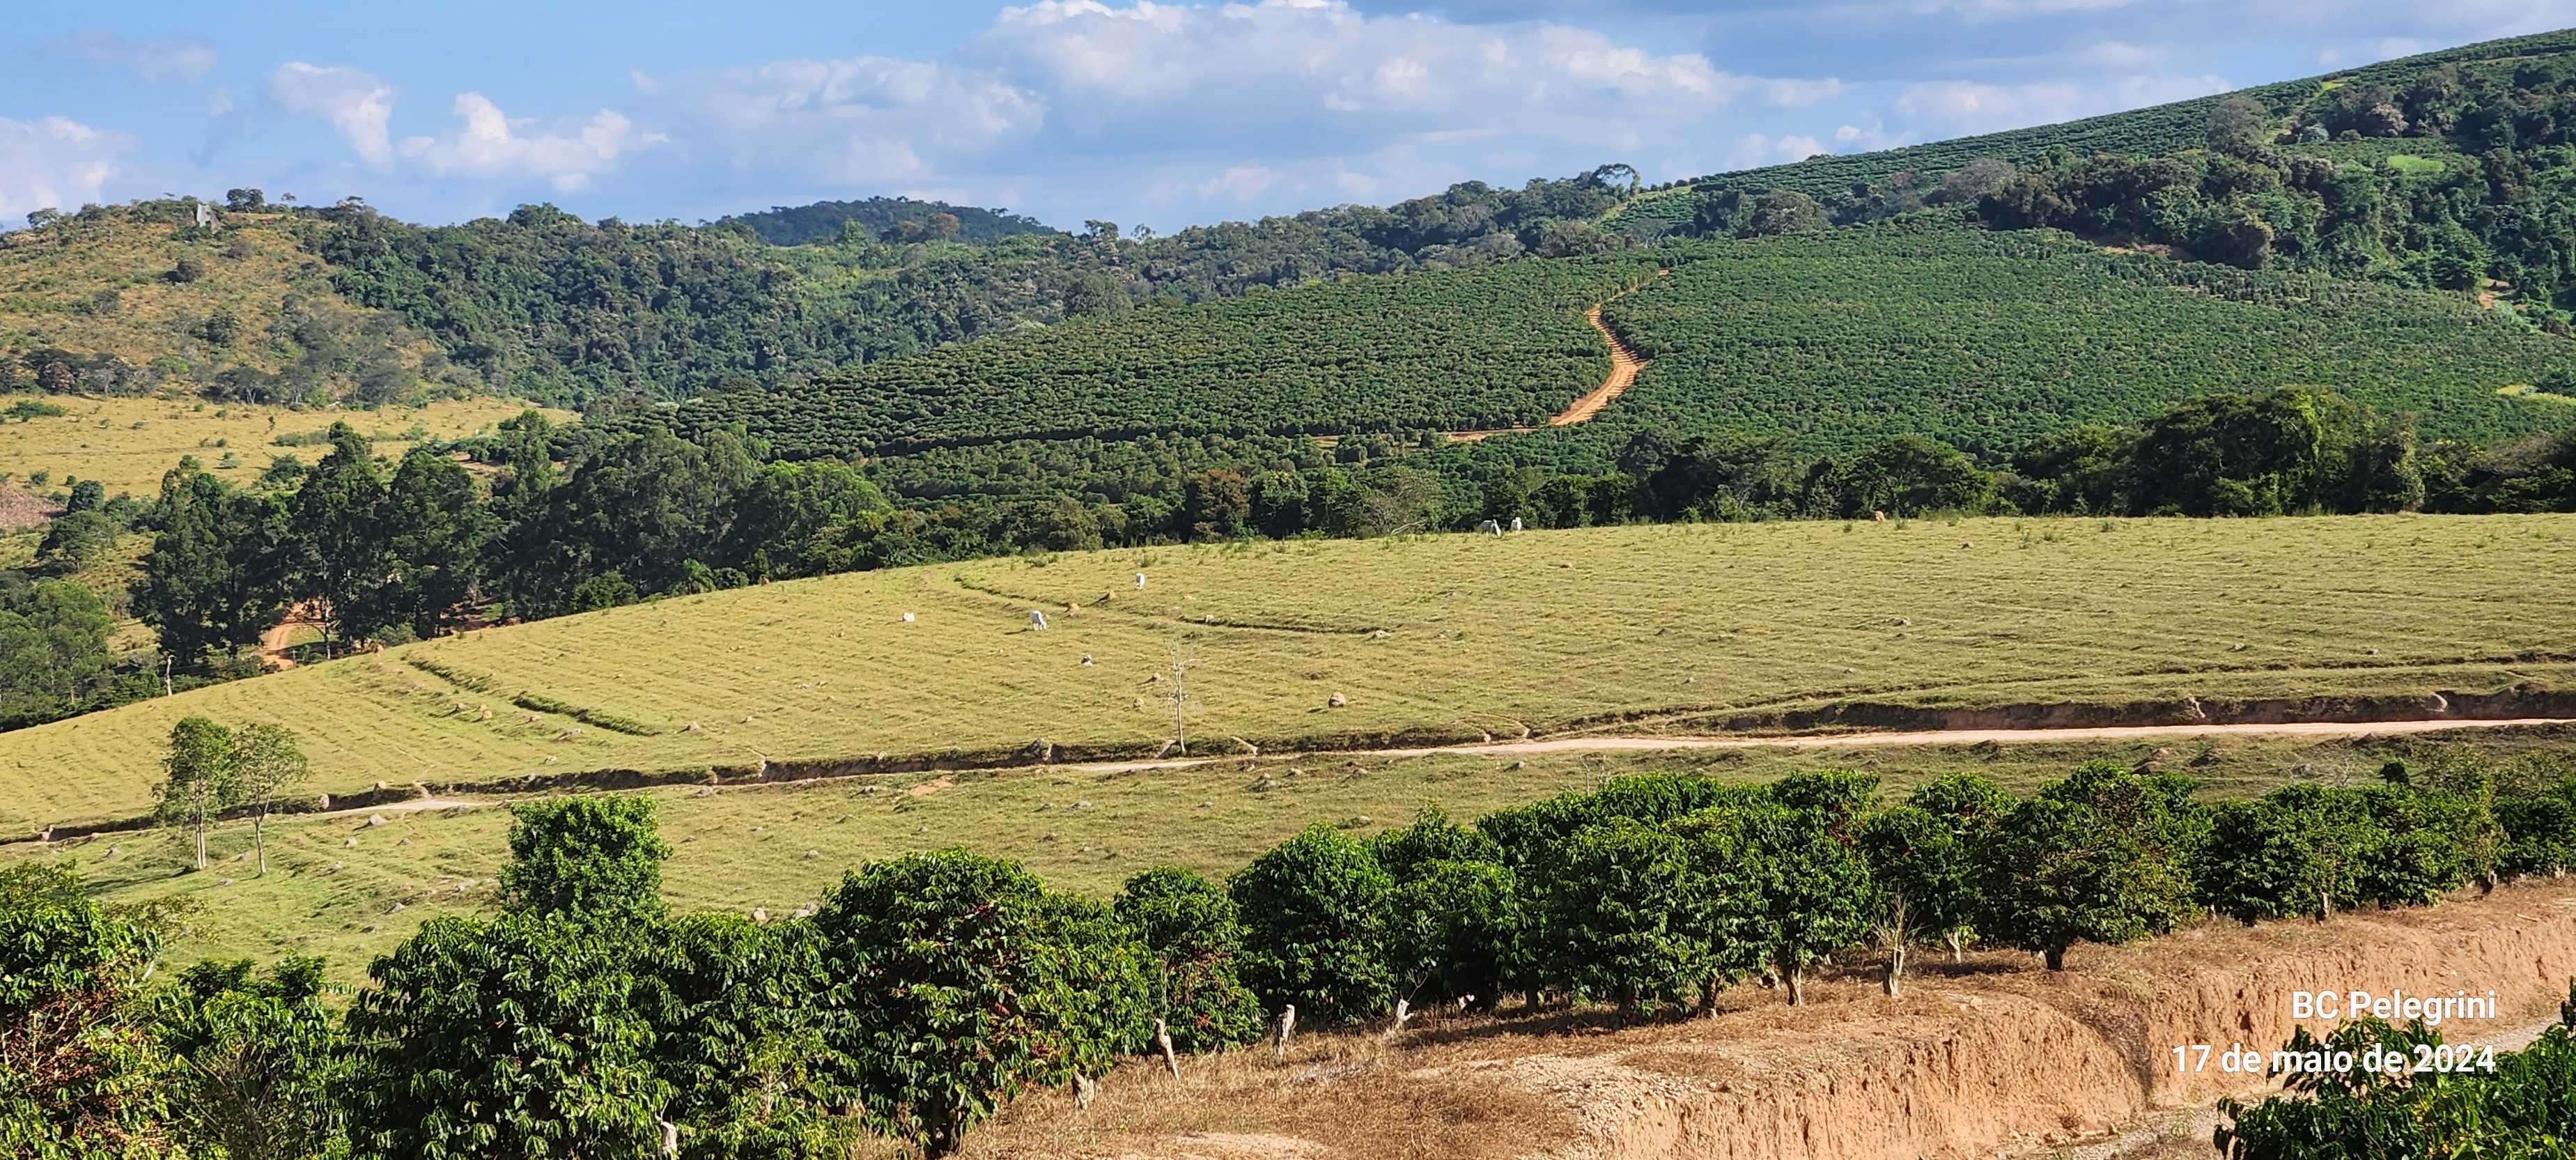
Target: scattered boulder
(1337,700)
(375,819)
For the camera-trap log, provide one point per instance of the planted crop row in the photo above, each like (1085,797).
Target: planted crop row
(1490,347)
(1986,340)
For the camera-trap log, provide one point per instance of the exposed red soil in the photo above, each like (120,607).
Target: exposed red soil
(1986,1056)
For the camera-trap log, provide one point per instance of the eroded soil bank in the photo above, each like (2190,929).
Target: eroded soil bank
(1978,1058)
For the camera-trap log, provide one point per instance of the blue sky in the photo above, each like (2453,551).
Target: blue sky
(1167,114)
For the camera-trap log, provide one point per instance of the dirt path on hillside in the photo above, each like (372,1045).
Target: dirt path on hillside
(1624,365)
(274,643)
(1857,740)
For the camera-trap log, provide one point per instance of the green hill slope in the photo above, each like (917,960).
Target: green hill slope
(127,300)
(2151,131)
(1980,338)
(1498,347)
(1987,340)
(1321,643)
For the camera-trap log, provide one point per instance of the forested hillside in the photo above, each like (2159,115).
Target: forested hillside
(899,219)
(2449,170)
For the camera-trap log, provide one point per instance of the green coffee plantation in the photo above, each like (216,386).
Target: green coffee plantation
(1989,339)
(1617,628)
(1492,347)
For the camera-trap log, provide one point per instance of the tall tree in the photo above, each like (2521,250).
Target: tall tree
(216,577)
(266,763)
(200,778)
(436,526)
(342,539)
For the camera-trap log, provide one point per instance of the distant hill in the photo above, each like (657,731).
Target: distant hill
(126,300)
(2151,131)
(897,219)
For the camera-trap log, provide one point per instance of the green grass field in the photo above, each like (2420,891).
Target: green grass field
(348,890)
(1538,632)
(127,444)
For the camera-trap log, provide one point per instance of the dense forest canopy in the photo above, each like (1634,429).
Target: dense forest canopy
(900,219)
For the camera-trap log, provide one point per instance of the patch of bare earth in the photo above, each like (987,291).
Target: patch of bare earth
(23,509)
(1978,1058)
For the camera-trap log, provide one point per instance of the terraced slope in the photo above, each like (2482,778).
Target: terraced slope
(1483,636)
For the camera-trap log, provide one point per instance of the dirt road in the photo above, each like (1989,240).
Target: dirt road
(1856,740)
(1624,365)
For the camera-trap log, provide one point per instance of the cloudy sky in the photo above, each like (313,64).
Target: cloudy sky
(1162,113)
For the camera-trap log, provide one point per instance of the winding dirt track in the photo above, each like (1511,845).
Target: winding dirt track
(1858,740)
(1624,365)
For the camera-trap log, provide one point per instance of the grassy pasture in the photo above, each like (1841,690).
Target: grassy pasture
(1541,631)
(347,890)
(127,444)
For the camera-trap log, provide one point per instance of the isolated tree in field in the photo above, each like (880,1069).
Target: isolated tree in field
(1190,927)
(1314,910)
(1619,917)
(942,995)
(512,1039)
(1785,211)
(2104,856)
(595,859)
(266,763)
(200,777)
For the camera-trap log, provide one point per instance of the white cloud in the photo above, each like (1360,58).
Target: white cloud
(491,145)
(54,163)
(855,120)
(1117,108)
(356,103)
(152,60)
(1969,107)
(1240,183)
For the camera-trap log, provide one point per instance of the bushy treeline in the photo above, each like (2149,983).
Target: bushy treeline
(901,219)
(547,306)
(922,992)
(393,552)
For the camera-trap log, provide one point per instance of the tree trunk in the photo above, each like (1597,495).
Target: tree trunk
(1794,977)
(1895,970)
(2055,957)
(1957,952)
(201,834)
(1708,997)
(259,840)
